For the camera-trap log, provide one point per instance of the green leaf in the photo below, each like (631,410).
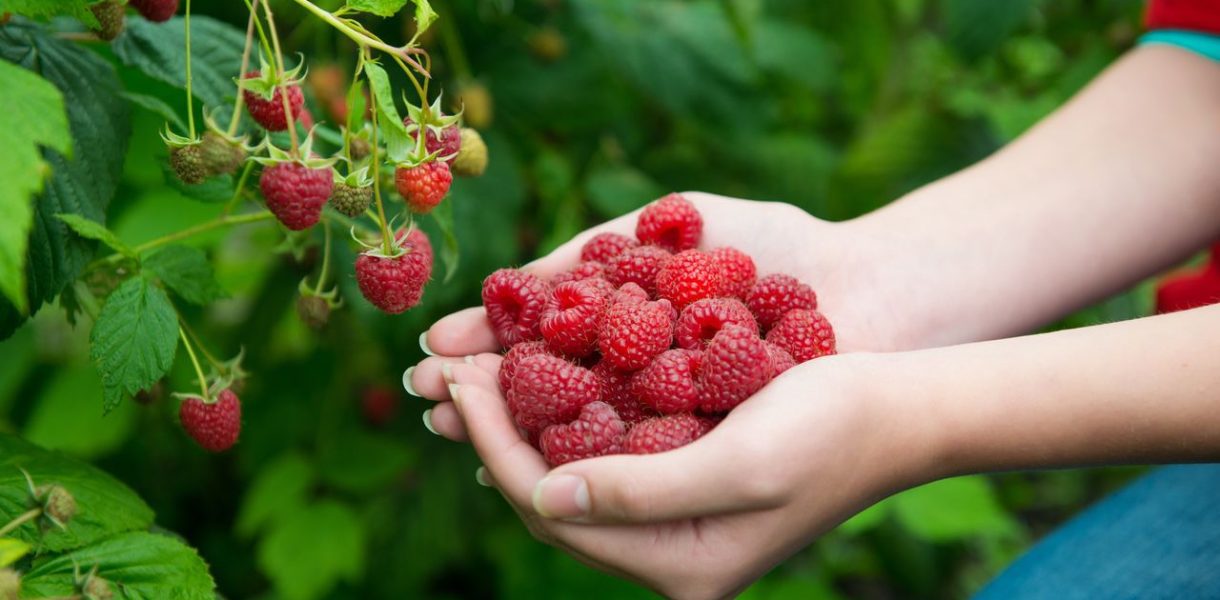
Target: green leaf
(33,116)
(134,339)
(157,106)
(398,142)
(51,8)
(797,52)
(159,50)
(953,509)
(361,462)
(279,488)
(11,550)
(92,230)
(106,506)
(865,519)
(141,564)
(100,122)
(187,271)
(424,16)
(313,548)
(450,249)
(381,8)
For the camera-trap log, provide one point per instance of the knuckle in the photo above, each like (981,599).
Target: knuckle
(628,500)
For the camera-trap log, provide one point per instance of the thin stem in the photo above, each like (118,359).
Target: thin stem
(203,381)
(188,232)
(21,519)
(386,245)
(202,348)
(258,26)
(235,120)
(190,99)
(361,39)
(241,187)
(423,95)
(279,66)
(317,290)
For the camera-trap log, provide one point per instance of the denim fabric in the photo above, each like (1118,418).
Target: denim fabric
(1157,538)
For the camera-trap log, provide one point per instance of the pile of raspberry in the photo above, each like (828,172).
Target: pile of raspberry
(649,342)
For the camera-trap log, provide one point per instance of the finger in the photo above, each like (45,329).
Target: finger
(717,474)
(473,375)
(459,334)
(431,377)
(443,420)
(514,465)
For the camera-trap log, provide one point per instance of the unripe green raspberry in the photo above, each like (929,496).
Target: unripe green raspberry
(471,160)
(110,18)
(351,200)
(220,156)
(314,311)
(57,503)
(97,589)
(188,164)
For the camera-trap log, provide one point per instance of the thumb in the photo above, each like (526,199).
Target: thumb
(713,475)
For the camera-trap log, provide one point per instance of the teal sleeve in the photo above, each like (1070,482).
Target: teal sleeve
(1203,44)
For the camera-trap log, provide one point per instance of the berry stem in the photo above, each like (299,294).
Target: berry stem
(216,223)
(387,246)
(258,26)
(363,39)
(190,98)
(421,90)
(85,298)
(203,382)
(235,120)
(21,519)
(279,67)
(238,192)
(317,290)
(220,367)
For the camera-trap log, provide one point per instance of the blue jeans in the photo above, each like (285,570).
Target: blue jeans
(1157,538)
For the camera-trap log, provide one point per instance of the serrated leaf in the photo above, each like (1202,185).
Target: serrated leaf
(381,8)
(134,339)
(51,8)
(279,488)
(100,123)
(106,506)
(92,230)
(953,509)
(424,16)
(141,564)
(450,249)
(158,107)
(398,143)
(11,550)
(33,116)
(159,50)
(313,548)
(187,271)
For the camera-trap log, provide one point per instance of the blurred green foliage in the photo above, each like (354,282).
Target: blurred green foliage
(837,106)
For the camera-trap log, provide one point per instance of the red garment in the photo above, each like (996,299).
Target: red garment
(1193,15)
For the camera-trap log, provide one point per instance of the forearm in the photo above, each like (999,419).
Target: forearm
(1141,391)
(1118,184)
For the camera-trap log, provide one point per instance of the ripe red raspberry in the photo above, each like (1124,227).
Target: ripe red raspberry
(805,334)
(780,359)
(446,146)
(393,284)
(549,390)
(423,187)
(668,383)
(616,391)
(700,321)
(737,271)
(513,358)
(630,293)
(573,316)
(584,270)
(671,222)
(414,239)
(663,433)
(599,431)
(157,11)
(689,276)
(735,365)
(378,405)
(633,333)
(605,246)
(295,193)
(777,294)
(269,112)
(215,426)
(639,266)
(514,301)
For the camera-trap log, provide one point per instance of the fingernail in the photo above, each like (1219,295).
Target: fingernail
(428,421)
(447,372)
(480,477)
(406,382)
(453,393)
(562,497)
(469,359)
(423,344)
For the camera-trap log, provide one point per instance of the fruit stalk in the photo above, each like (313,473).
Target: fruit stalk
(361,39)
(325,258)
(188,232)
(21,519)
(241,184)
(245,65)
(386,246)
(279,67)
(203,382)
(190,100)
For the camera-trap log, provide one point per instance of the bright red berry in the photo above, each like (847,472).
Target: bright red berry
(617,392)
(572,317)
(631,293)
(688,276)
(780,359)
(157,11)
(446,146)
(671,222)
(700,321)
(393,283)
(513,358)
(605,246)
(775,295)
(669,382)
(295,193)
(269,112)
(735,365)
(663,433)
(216,425)
(414,239)
(378,405)
(737,271)
(514,301)
(635,332)
(424,186)
(584,270)
(599,431)
(639,266)
(549,390)
(805,334)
